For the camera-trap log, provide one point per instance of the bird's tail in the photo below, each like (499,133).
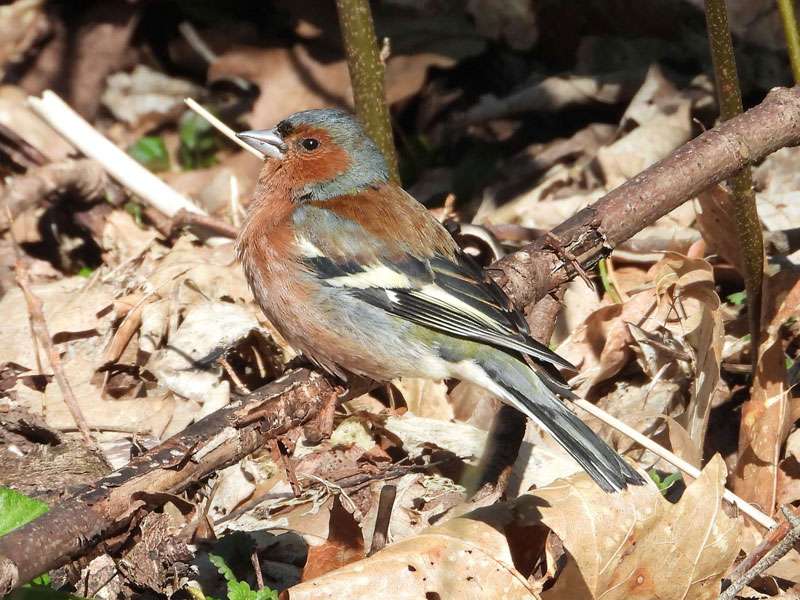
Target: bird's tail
(523,390)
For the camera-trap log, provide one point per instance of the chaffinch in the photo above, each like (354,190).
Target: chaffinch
(356,274)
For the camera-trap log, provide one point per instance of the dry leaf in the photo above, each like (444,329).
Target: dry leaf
(73,308)
(16,114)
(463,558)
(766,416)
(145,94)
(345,544)
(648,143)
(187,365)
(513,20)
(716,223)
(139,415)
(426,398)
(22,24)
(619,542)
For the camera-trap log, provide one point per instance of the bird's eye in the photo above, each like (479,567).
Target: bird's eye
(310,144)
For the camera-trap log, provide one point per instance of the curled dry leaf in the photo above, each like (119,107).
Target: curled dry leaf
(345,544)
(187,365)
(767,415)
(689,307)
(619,542)
(145,94)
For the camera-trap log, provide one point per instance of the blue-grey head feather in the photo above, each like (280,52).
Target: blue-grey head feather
(367,164)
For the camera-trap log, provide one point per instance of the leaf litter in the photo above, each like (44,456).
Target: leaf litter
(156,327)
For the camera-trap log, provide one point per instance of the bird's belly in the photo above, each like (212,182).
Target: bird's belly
(337,331)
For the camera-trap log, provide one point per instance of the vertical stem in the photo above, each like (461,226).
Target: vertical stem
(748,226)
(789,21)
(366,75)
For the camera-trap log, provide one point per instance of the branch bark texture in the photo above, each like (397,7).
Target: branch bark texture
(73,527)
(593,232)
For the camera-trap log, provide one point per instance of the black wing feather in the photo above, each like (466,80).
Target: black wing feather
(492,319)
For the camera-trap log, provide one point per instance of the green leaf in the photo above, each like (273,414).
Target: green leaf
(151,151)
(134,210)
(17,509)
(42,580)
(737,298)
(198,142)
(266,594)
(239,590)
(222,567)
(666,483)
(85,272)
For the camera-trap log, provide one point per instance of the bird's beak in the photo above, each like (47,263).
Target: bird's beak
(266,141)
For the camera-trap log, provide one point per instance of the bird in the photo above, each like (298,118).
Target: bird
(361,278)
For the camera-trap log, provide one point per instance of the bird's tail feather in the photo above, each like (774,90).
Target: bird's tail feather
(526,393)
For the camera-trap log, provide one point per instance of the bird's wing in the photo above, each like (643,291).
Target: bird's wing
(450,295)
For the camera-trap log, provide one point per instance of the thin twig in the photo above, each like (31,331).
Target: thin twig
(773,537)
(747,508)
(769,559)
(385,504)
(786,8)
(748,225)
(42,335)
(214,225)
(367,76)
(221,127)
(257,568)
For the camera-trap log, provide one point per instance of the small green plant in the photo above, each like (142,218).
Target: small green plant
(239,590)
(135,210)
(665,483)
(737,298)
(151,151)
(17,509)
(198,142)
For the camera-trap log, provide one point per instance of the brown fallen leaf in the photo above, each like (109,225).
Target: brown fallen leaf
(767,414)
(345,544)
(467,557)
(426,398)
(716,222)
(73,309)
(689,307)
(620,543)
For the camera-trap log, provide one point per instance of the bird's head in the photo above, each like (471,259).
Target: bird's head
(321,153)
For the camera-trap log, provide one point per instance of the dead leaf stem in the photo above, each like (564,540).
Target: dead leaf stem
(42,336)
